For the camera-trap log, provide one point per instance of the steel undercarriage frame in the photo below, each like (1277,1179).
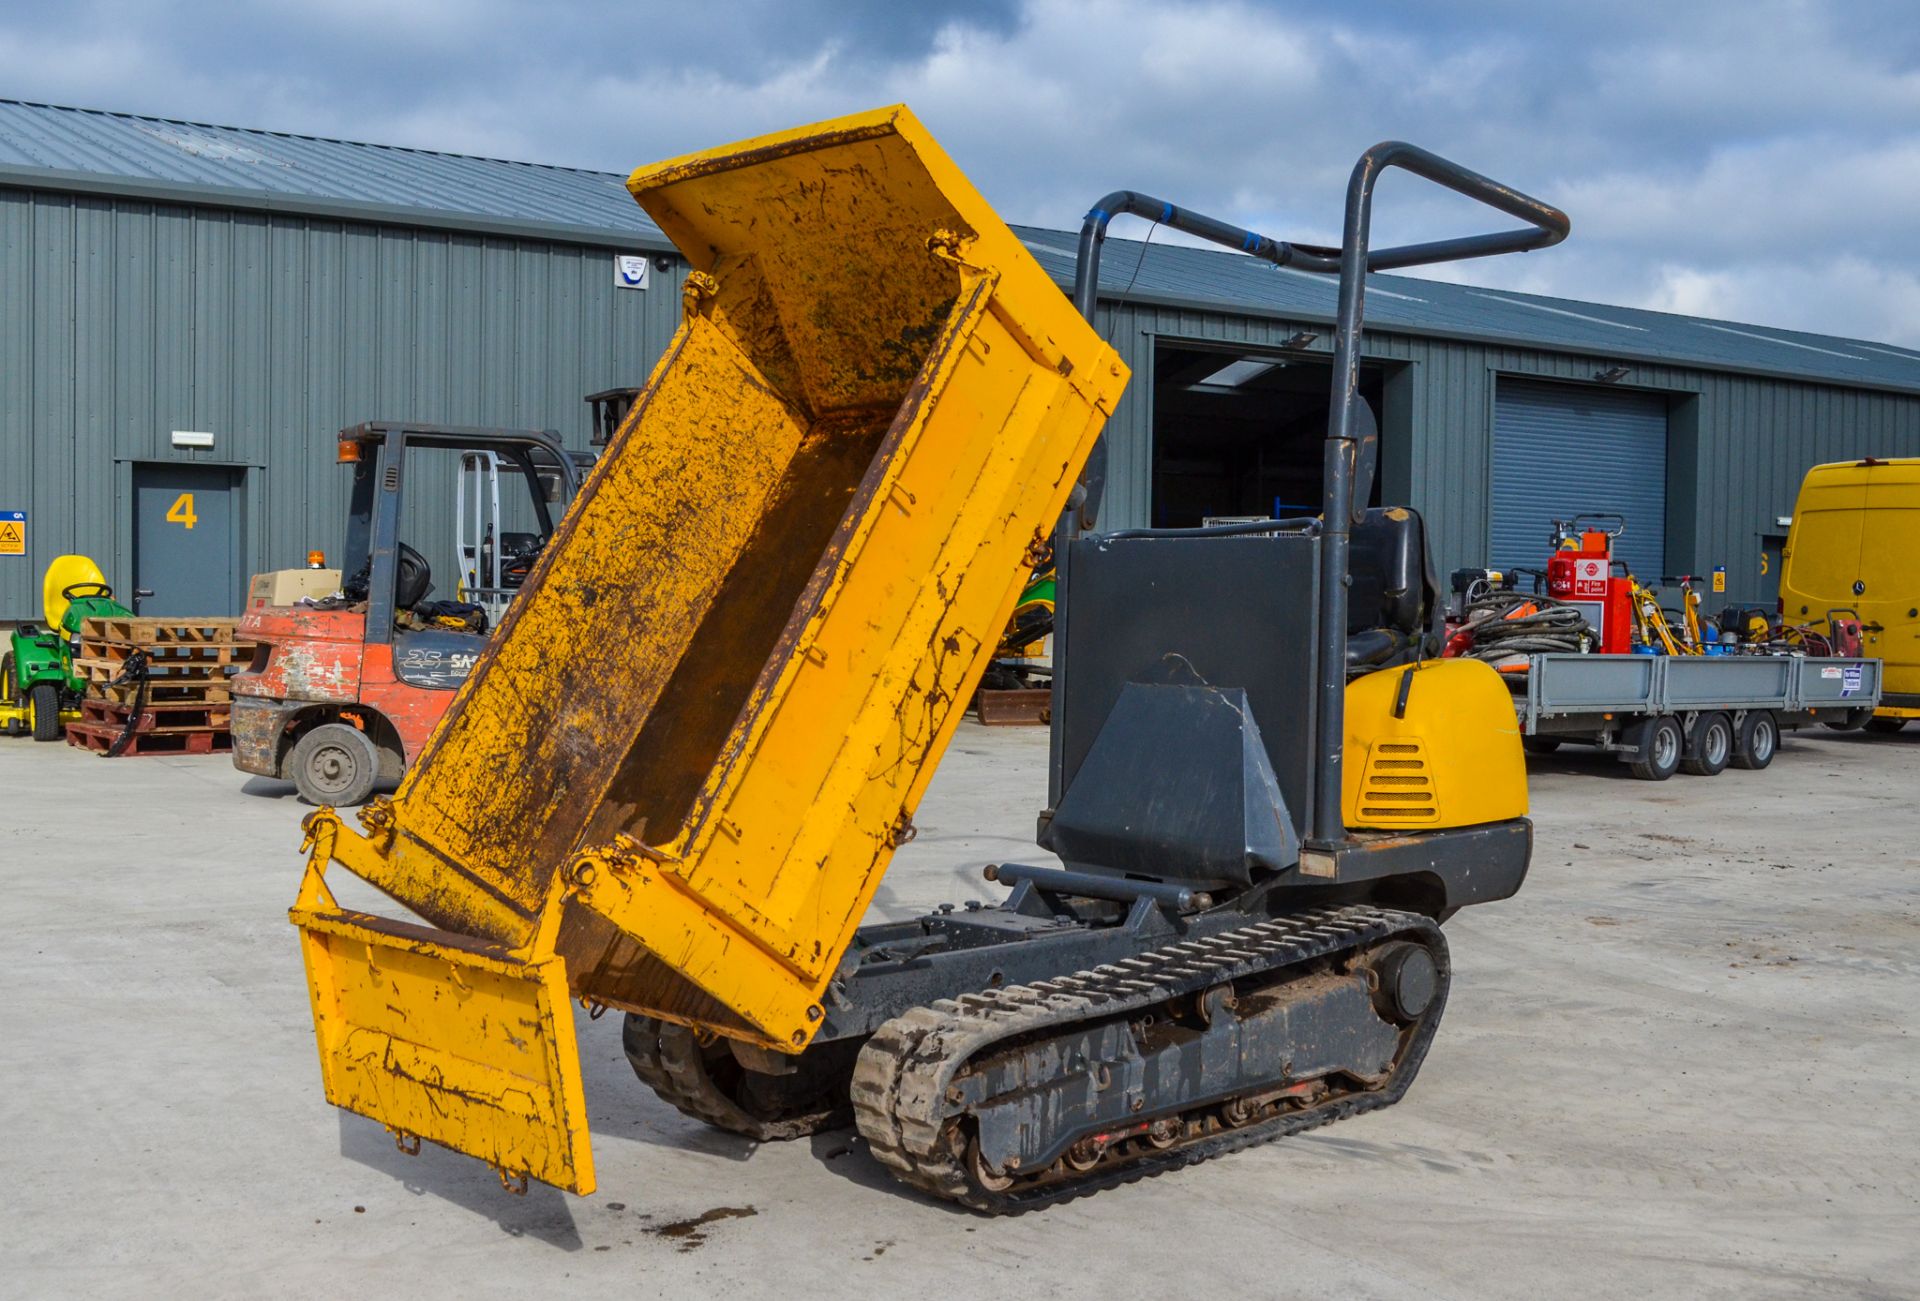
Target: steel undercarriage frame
(1049,925)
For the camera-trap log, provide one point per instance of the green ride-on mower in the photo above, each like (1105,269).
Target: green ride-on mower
(42,692)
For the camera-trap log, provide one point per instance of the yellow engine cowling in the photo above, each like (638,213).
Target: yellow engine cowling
(1432,745)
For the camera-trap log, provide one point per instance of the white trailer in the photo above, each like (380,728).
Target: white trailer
(1662,714)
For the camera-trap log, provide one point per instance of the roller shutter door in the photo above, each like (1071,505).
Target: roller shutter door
(1560,449)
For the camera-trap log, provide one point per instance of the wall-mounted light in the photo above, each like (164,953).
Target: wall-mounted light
(192,438)
(1298,339)
(1613,374)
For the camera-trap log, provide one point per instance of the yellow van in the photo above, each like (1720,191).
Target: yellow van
(1855,546)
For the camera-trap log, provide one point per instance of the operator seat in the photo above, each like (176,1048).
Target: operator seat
(412,582)
(1393,607)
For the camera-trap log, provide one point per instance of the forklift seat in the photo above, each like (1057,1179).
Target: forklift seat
(411,585)
(415,578)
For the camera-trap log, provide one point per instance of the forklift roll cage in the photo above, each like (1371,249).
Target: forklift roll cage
(379,451)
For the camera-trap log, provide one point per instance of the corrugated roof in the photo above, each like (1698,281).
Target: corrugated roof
(171,159)
(1183,276)
(87,148)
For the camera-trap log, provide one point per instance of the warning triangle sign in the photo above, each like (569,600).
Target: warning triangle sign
(13,538)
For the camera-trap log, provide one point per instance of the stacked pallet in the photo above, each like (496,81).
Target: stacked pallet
(184,704)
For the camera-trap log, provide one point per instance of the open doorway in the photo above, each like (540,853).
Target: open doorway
(1239,435)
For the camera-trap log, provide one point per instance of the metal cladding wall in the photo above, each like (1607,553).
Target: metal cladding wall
(125,320)
(1738,445)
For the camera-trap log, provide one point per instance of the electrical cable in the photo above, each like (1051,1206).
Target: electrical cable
(1502,627)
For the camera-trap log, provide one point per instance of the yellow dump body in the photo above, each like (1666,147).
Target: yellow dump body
(1859,522)
(715,705)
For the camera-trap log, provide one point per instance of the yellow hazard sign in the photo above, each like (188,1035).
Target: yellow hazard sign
(13,533)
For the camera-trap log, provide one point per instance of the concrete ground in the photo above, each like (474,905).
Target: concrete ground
(1683,1062)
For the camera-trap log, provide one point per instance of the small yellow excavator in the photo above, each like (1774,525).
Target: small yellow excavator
(1267,790)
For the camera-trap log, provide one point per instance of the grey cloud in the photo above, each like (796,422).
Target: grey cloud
(1755,161)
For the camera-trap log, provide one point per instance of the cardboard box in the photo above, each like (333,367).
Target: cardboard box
(287,586)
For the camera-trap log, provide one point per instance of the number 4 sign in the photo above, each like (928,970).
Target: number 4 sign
(181,512)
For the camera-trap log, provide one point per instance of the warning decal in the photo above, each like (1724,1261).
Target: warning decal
(13,533)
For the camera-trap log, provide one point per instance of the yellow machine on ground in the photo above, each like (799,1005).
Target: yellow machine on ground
(819,515)
(1854,550)
(40,690)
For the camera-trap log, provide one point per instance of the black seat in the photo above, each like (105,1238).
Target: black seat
(1393,604)
(415,578)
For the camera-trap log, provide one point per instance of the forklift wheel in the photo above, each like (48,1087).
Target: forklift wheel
(1540,744)
(1710,746)
(1885,726)
(1660,748)
(45,701)
(334,764)
(1758,741)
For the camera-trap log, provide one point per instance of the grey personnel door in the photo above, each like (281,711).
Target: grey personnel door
(186,540)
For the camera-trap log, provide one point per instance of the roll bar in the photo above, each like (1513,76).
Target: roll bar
(1351,448)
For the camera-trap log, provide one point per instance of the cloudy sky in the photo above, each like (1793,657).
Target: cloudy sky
(1758,161)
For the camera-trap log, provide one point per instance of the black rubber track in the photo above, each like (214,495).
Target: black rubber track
(705,1083)
(900,1087)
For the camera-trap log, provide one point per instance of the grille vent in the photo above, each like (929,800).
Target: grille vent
(1397,787)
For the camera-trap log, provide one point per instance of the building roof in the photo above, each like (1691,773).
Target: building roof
(46,145)
(1218,280)
(86,149)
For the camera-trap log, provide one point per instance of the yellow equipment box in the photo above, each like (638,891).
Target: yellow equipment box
(675,779)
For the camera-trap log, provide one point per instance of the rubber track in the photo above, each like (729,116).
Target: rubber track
(668,1060)
(900,1083)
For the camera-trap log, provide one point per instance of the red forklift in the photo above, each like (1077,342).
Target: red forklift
(344,689)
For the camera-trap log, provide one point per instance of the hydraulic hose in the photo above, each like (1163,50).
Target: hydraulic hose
(1500,632)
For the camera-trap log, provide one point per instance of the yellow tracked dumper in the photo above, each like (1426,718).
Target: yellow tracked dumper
(675,779)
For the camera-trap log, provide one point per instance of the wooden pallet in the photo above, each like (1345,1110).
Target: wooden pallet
(171,671)
(161,631)
(160,716)
(96,651)
(163,691)
(99,738)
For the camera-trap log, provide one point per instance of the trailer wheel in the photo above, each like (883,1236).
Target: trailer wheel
(45,699)
(1540,744)
(1660,748)
(1758,741)
(334,764)
(1710,746)
(1885,726)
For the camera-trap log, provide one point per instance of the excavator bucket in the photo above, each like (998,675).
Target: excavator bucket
(706,722)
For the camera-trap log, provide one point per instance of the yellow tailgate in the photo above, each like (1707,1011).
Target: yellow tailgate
(437,1036)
